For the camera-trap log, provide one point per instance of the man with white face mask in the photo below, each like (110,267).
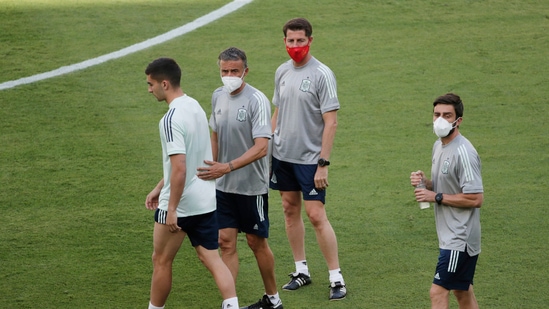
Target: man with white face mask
(457,191)
(241,130)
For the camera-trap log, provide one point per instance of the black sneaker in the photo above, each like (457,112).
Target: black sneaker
(337,291)
(265,303)
(298,280)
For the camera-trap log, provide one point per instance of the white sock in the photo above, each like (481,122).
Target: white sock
(301,267)
(151,306)
(233,302)
(275,299)
(335,276)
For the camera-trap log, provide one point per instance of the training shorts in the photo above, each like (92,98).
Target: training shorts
(248,214)
(296,177)
(202,229)
(455,270)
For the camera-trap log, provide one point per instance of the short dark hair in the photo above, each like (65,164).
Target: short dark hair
(165,69)
(233,54)
(452,99)
(297,24)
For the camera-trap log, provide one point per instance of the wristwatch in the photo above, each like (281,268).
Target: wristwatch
(323,162)
(438,198)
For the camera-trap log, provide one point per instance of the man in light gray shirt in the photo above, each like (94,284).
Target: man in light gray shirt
(305,122)
(241,131)
(457,191)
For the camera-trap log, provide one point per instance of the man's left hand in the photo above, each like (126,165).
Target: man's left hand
(213,171)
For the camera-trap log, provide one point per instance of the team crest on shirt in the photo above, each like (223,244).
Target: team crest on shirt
(241,115)
(445,166)
(305,85)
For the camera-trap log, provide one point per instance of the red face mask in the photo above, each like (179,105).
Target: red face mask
(297,53)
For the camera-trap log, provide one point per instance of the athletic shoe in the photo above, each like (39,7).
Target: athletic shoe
(337,291)
(265,303)
(298,280)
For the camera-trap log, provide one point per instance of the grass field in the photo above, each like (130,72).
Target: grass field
(80,152)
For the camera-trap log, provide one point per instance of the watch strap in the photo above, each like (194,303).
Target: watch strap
(438,198)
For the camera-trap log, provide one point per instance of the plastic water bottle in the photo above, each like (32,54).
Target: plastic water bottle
(423,205)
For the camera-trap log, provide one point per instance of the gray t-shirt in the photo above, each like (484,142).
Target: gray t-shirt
(302,95)
(457,169)
(238,120)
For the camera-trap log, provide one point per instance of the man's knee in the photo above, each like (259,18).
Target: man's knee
(438,294)
(291,200)
(466,298)
(227,243)
(160,260)
(317,215)
(256,243)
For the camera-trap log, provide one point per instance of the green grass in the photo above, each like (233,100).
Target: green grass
(80,152)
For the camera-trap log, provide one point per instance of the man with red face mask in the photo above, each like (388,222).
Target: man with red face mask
(304,124)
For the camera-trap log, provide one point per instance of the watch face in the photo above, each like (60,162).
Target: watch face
(323,162)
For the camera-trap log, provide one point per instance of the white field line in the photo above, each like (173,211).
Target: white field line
(197,23)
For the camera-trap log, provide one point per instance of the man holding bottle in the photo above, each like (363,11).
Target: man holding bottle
(457,193)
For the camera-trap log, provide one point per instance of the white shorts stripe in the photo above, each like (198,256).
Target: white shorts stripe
(162,214)
(260,208)
(452,264)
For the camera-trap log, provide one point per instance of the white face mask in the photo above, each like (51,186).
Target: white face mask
(442,128)
(232,83)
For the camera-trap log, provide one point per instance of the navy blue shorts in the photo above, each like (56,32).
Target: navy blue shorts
(202,229)
(296,177)
(248,214)
(455,270)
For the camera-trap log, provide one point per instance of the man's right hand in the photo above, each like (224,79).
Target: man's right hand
(151,202)
(415,178)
